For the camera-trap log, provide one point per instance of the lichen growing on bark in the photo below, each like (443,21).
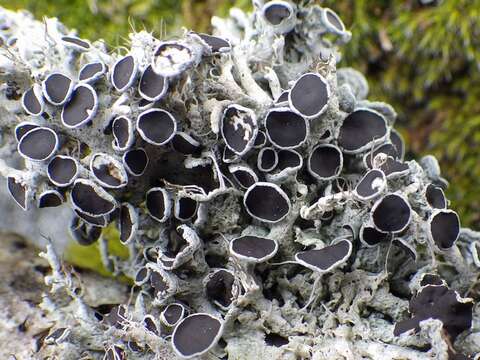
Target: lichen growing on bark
(265,202)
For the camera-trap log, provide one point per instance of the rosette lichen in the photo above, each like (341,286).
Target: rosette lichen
(266,204)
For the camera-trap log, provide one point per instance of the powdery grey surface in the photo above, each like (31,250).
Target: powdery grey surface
(35,225)
(22,287)
(279,309)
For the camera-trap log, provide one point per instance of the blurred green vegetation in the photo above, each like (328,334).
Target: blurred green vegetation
(112,20)
(424,60)
(88,257)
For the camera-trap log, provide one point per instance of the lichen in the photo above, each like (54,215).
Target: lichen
(321,255)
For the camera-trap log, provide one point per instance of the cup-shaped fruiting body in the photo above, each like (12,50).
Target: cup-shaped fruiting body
(229,157)
(362,130)
(123,133)
(74,42)
(32,101)
(91,72)
(143,104)
(50,198)
(325,162)
(214,44)
(185,208)
(108,171)
(369,236)
(150,255)
(211,182)
(289,163)
(435,197)
(163,282)
(289,160)
(327,258)
(221,287)
(91,199)
(239,128)
(266,202)
(150,325)
(279,15)
(431,279)
(172,58)
(100,221)
(173,314)
(20,191)
(394,169)
(267,159)
(142,276)
(152,86)
(38,144)
(158,204)
(124,73)
(196,334)
(62,170)
(156,126)
(57,88)
(253,249)
(371,185)
(387,149)
(391,214)
(438,302)
(85,234)
(282,99)
(286,129)
(181,244)
(309,95)
(135,161)
(260,140)
(128,223)
(186,144)
(443,228)
(334,24)
(81,108)
(244,175)
(22,128)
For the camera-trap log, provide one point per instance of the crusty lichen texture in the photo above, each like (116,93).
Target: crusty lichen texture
(266,204)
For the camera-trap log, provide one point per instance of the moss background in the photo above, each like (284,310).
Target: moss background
(423,59)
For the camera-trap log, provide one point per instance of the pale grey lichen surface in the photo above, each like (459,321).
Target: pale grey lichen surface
(284,306)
